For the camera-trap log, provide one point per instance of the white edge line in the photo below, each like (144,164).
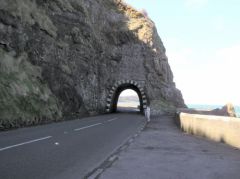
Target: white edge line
(24,143)
(78,129)
(110,120)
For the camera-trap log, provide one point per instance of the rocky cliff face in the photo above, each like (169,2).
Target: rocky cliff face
(61,57)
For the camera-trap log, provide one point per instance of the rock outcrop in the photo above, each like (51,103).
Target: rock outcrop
(60,58)
(227,110)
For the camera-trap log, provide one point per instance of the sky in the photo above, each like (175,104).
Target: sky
(202,41)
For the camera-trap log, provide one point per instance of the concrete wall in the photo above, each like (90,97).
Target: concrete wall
(217,128)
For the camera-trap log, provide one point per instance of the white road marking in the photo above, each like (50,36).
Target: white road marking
(78,129)
(24,143)
(110,120)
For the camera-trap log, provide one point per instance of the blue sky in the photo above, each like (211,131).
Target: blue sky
(202,39)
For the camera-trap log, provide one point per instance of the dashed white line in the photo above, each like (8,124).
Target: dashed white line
(110,120)
(78,129)
(24,143)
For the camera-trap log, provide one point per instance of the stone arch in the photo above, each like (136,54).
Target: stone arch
(120,86)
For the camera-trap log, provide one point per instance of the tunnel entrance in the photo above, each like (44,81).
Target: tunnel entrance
(128,101)
(118,88)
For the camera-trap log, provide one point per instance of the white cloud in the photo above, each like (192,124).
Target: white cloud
(230,54)
(219,24)
(193,4)
(212,80)
(182,56)
(227,65)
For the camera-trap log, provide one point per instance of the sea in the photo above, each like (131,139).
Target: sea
(210,107)
(133,101)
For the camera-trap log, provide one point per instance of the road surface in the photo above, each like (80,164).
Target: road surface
(64,150)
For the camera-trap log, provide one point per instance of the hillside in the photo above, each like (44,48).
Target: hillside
(60,58)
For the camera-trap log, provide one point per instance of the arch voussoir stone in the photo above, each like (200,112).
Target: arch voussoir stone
(122,83)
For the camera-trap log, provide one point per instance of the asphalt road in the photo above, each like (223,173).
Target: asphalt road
(64,150)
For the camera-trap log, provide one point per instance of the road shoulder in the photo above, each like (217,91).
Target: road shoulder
(163,151)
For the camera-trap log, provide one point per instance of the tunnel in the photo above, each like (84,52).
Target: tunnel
(118,88)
